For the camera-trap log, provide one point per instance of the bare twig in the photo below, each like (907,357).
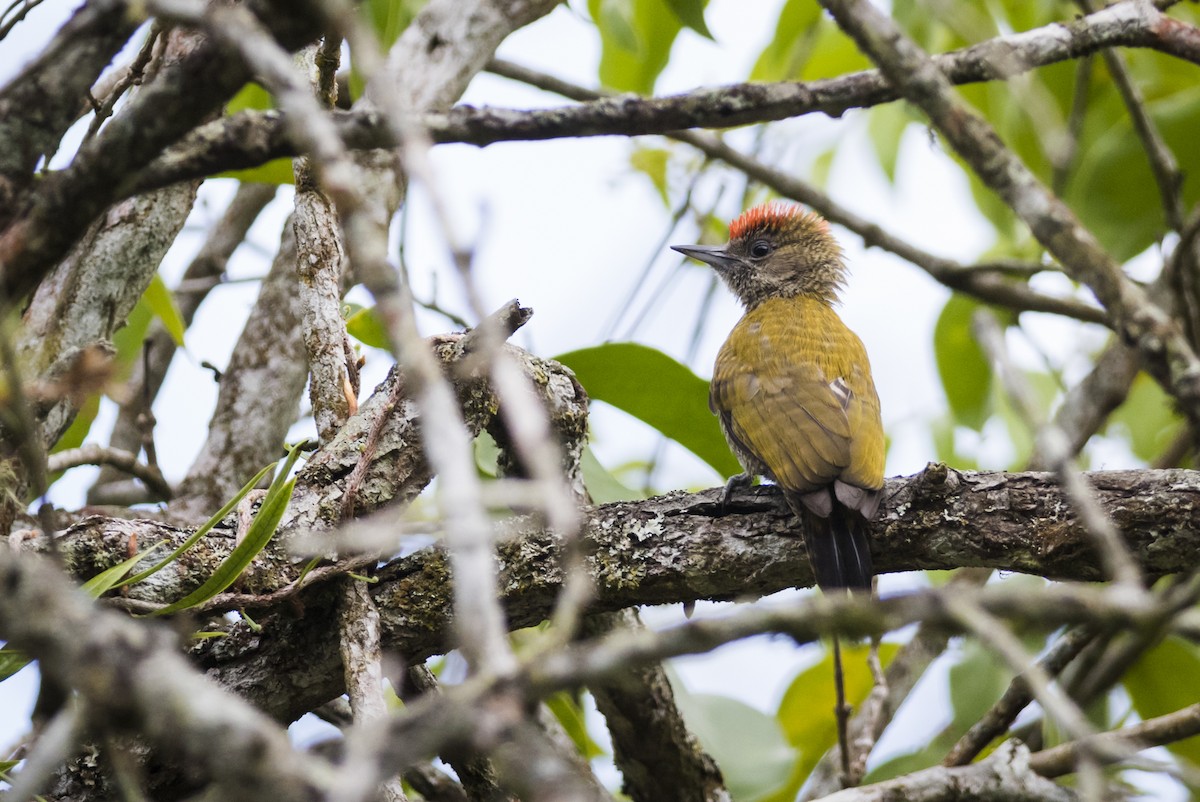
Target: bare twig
(1005,774)
(1166,729)
(986,284)
(252,138)
(96,454)
(1015,699)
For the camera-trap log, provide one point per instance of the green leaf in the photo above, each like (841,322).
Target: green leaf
(789,50)
(162,303)
(748,745)
(601,485)
(11,661)
(691,14)
(976,682)
(253,97)
(109,578)
(129,338)
(1148,417)
(77,432)
(257,536)
(653,162)
(964,369)
(656,389)
(202,531)
(1112,187)
(1163,681)
(366,327)
(821,166)
(635,38)
(806,712)
(277,171)
(570,716)
(487,455)
(389,18)
(833,53)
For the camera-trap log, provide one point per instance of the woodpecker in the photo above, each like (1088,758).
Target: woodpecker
(792,385)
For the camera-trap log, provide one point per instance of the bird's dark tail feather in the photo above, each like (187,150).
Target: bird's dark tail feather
(837,548)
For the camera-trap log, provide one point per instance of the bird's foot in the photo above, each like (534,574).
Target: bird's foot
(738,482)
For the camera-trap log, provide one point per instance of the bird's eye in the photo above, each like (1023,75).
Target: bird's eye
(760,249)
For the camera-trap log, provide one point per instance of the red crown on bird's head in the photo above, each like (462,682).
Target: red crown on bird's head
(775,214)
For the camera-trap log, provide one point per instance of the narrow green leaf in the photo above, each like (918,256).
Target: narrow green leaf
(11,661)
(257,536)
(311,564)
(129,338)
(109,578)
(963,367)
(366,327)
(203,530)
(570,716)
(162,303)
(691,14)
(389,18)
(1164,681)
(656,389)
(77,432)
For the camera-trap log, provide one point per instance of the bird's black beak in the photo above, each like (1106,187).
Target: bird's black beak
(714,255)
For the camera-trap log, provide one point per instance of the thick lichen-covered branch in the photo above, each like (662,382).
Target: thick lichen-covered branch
(671,549)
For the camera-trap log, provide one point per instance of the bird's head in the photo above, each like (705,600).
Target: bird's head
(776,250)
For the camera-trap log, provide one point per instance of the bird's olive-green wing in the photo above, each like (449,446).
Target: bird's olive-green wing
(868,446)
(786,414)
(797,393)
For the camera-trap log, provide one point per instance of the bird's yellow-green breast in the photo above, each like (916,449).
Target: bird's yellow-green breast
(793,385)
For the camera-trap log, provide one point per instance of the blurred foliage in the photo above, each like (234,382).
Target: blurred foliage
(636,37)
(1161,682)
